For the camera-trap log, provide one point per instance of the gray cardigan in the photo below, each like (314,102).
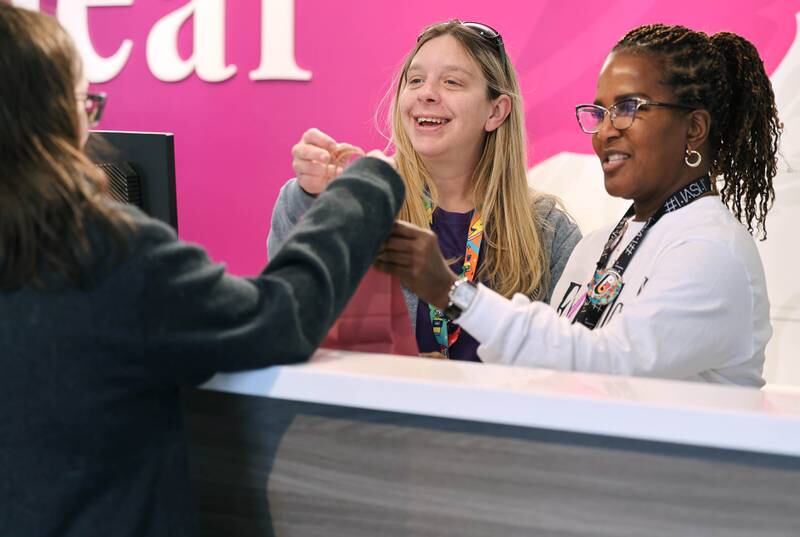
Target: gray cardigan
(559,233)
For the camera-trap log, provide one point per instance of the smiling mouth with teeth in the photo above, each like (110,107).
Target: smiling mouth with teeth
(616,157)
(431,121)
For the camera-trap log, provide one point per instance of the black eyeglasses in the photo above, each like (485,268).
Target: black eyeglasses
(483,30)
(94,104)
(591,116)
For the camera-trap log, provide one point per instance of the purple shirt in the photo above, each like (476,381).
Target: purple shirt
(451,229)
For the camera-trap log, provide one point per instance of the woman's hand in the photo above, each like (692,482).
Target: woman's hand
(412,254)
(317,159)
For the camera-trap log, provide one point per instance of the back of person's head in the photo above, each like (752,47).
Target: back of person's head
(48,188)
(724,75)
(514,259)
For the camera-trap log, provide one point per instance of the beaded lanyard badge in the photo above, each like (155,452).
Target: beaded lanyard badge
(445,336)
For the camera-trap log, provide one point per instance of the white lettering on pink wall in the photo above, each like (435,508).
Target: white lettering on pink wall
(277,61)
(74,16)
(208,58)
(33,5)
(277,43)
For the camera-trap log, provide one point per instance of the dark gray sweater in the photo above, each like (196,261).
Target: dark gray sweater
(91,435)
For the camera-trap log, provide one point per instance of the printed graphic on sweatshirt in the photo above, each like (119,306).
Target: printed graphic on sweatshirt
(573,298)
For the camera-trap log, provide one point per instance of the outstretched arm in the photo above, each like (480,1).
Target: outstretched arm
(204,320)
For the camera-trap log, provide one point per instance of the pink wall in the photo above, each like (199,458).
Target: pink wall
(233,138)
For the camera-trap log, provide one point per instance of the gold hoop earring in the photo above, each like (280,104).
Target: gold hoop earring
(692,158)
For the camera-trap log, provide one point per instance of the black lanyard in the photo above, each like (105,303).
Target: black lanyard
(606,284)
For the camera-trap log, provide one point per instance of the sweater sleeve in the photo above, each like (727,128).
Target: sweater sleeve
(291,205)
(199,320)
(691,317)
(560,234)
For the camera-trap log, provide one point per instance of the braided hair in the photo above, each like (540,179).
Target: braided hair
(724,75)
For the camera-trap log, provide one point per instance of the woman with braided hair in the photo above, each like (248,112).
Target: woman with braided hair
(685,126)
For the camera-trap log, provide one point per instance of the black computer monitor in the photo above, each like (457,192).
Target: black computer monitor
(140,167)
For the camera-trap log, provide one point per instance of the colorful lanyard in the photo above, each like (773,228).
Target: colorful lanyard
(606,284)
(444,337)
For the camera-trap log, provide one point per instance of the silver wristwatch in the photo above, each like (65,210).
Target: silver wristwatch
(462,294)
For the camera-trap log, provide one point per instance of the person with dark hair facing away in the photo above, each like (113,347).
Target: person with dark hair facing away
(104,313)
(684,124)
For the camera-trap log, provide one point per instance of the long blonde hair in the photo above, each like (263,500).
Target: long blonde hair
(514,259)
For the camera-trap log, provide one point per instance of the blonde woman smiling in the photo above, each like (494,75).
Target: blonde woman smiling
(457,128)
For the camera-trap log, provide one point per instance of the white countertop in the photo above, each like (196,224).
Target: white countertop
(765,421)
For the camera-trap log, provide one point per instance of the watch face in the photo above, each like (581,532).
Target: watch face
(463,294)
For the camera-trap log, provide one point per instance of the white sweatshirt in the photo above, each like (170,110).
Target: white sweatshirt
(694,307)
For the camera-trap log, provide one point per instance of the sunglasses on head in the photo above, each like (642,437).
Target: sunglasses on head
(483,30)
